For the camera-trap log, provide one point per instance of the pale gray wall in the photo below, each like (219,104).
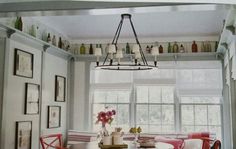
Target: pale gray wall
(14,96)
(2,53)
(80,96)
(52,66)
(46,66)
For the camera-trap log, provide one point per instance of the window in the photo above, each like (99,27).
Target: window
(201,114)
(178,97)
(117,99)
(155,108)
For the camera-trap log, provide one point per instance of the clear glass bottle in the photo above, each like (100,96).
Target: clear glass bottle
(175,48)
(49,38)
(54,42)
(181,49)
(203,47)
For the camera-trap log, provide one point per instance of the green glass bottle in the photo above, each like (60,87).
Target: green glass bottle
(19,24)
(82,49)
(127,48)
(169,48)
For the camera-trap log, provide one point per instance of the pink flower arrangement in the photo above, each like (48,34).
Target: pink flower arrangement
(105,117)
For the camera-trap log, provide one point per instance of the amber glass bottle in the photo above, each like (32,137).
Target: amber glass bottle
(194,47)
(160,49)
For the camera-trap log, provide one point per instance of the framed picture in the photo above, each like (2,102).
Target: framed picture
(60,88)
(23,63)
(32,94)
(54,116)
(23,134)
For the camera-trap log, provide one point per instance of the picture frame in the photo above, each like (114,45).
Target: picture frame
(54,116)
(32,95)
(23,63)
(60,88)
(23,135)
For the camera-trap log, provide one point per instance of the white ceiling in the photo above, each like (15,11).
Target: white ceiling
(149,24)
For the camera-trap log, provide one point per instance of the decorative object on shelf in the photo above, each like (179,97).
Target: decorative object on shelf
(23,64)
(208,46)
(32,94)
(128,51)
(54,40)
(60,43)
(169,48)
(134,64)
(60,88)
(82,49)
(216,46)
(160,49)
(203,47)
(175,47)
(23,134)
(33,31)
(136,132)
(181,49)
(54,116)
(194,47)
(91,49)
(105,117)
(19,24)
(49,40)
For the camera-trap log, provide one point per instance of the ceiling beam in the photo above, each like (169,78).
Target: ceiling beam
(97,8)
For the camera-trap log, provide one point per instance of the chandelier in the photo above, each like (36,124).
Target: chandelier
(114,55)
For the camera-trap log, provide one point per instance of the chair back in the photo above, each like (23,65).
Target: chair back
(53,141)
(201,135)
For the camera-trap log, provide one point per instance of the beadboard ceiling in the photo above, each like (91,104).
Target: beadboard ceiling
(187,22)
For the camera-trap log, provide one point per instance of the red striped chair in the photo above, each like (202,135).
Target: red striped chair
(208,143)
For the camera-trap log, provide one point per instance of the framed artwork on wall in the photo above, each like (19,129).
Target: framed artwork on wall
(23,63)
(32,94)
(23,135)
(54,116)
(60,88)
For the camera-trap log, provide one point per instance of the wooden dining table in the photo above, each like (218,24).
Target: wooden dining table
(94,145)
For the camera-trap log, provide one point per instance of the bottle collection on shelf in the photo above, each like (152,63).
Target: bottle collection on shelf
(82,50)
(62,44)
(206,46)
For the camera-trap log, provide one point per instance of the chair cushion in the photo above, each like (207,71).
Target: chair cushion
(162,145)
(177,143)
(193,144)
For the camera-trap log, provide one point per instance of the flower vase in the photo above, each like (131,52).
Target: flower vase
(103,132)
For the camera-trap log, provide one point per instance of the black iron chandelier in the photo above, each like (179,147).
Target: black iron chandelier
(113,57)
